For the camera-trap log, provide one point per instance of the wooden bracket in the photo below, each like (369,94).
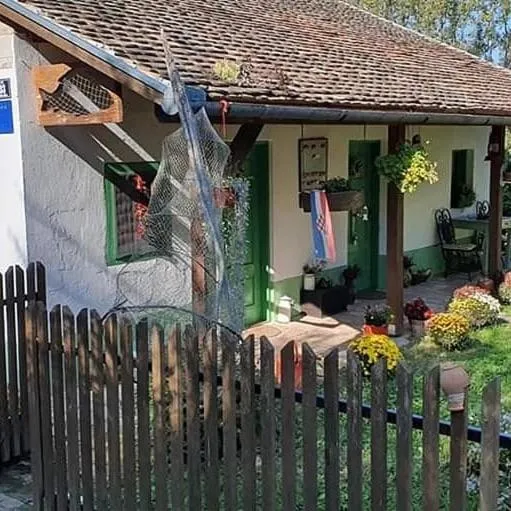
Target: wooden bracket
(49,79)
(241,146)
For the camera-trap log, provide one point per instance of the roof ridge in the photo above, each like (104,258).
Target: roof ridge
(426,37)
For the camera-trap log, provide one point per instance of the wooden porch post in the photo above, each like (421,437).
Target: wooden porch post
(498,134)
(395,221)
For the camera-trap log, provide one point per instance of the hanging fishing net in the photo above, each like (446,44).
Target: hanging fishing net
(193,232)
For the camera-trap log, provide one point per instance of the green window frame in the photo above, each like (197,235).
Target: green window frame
(462,175)
(122,244)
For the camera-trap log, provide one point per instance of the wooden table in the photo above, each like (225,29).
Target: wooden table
(472,223)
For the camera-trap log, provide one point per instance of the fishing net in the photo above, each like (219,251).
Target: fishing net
(194,229)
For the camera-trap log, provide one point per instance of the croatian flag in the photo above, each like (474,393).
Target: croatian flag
(322,232)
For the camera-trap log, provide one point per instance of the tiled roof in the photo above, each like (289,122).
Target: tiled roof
(320,52)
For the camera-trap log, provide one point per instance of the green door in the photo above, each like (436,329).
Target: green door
(257,258)
(363,231)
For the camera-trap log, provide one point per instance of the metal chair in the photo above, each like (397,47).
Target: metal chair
(458,257)
(483,213)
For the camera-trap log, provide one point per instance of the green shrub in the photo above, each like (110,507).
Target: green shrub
(479,309)
(448,330)
(505,293)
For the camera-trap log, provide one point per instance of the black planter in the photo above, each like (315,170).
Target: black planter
(349,284)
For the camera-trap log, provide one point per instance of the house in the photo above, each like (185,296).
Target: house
(306,69)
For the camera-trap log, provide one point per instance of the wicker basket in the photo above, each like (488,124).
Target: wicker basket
(337,201)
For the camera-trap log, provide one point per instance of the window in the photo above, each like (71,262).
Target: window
(124,217)
(462,178)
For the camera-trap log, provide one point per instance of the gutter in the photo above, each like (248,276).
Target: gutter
(153,88)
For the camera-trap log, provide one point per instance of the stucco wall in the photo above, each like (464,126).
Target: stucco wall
(65,205)
(13,240)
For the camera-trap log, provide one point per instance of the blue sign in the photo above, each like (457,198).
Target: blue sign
(6,121)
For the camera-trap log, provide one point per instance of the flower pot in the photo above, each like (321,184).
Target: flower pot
(350,286)
(224,197)
(487,284)
(375,330)
(418,327)
(454,381)
(309,281)
(506,176)
(351,200)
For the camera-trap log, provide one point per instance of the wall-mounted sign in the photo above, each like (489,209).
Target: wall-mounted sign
(313,153)
(6,121)
(5,88)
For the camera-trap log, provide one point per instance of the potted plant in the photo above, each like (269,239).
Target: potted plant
(376,320)
(418,313)
(339,194)
(350,274)
(409,167)
(309,275)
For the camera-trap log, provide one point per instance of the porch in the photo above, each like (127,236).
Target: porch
(338,330)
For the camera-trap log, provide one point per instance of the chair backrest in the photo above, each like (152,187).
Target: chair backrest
(483,210)
(444,226)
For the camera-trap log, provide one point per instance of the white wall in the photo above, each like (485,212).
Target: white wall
(13,239)
(65,200)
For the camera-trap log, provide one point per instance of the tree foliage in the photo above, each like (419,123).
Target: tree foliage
(482,27)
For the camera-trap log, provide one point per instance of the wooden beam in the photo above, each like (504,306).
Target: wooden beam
(395,227)
(12,17)
(241,146)
(495,228)
(127,187)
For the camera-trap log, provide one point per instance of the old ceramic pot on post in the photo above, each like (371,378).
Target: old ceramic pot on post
(454,382)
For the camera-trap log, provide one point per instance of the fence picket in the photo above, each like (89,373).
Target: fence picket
(160,447)
(310,446)
(379,436)
(112,403)
(430,440)
(143,426)
(45,407)
(268,425)
(229,421)
(36,461)
(70,376)
(22,357)
(40,282)
(31,285)
(248,424)
(128,417)
(355,426)
(331,371)
(176,419)
(12,357)
(288,426)
(59,417)
(458,461)
(193,419)
(211,420)
(404,456)
(490,447)
(5,423)
(97,367)
(82,331)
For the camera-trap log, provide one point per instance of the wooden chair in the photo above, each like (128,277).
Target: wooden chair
(458,257)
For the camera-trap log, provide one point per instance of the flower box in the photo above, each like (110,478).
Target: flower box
(375,330)
(337,201)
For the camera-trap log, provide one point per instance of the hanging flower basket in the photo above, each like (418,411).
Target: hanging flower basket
(224,197)
(337,201)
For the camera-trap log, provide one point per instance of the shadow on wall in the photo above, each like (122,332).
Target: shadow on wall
(65,211)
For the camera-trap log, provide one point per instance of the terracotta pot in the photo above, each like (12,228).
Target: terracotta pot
(298,366)
(454,381)
(375,330)
(418,327)
(224,197)
(487,284)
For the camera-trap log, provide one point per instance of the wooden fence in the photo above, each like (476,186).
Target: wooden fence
(17,288)
(128,417)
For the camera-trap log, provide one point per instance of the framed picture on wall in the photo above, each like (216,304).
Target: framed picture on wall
(313,163)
